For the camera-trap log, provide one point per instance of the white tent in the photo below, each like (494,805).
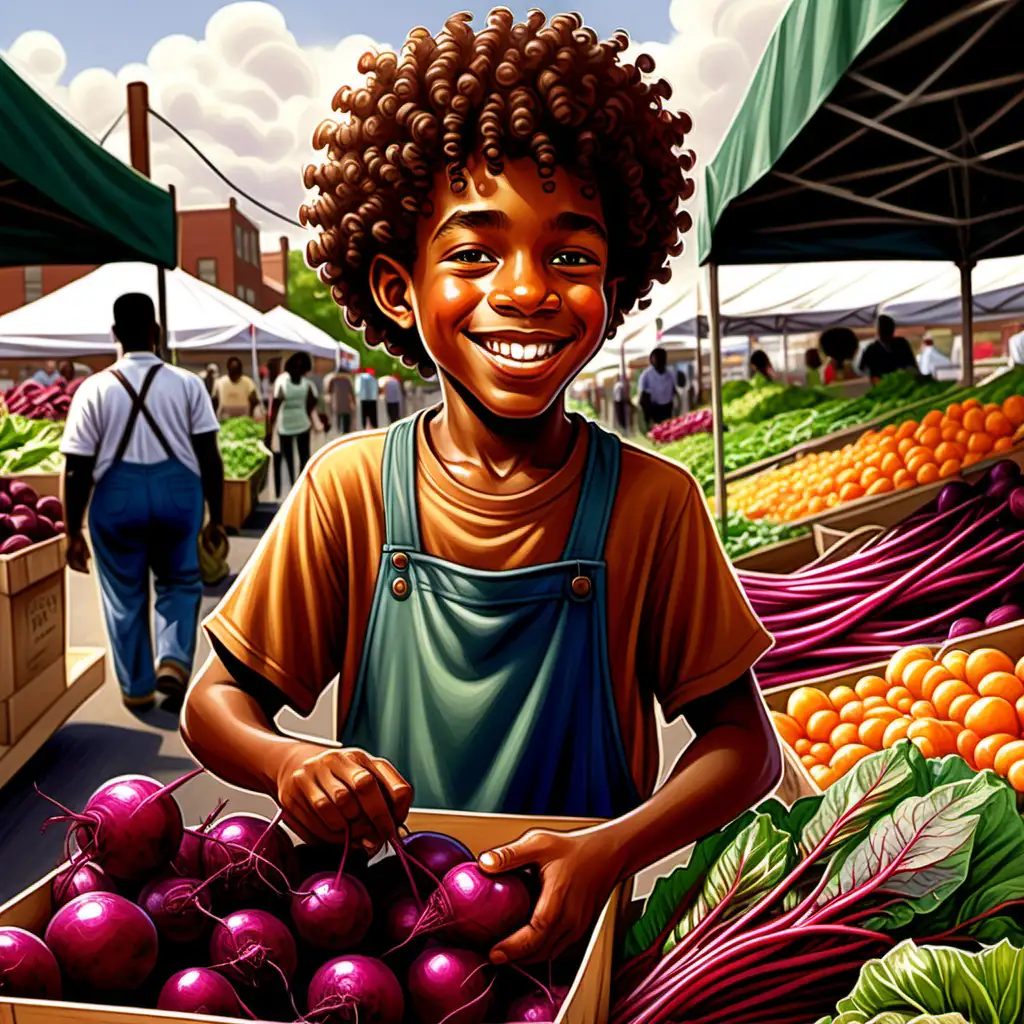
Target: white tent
(317,341)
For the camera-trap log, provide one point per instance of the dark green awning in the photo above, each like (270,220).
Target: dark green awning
(876,129)
(64,199)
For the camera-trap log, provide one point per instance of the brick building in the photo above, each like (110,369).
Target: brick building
(219,245)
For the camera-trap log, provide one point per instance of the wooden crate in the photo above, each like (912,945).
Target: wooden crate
(237,502)
(44,484)
(586,1003)
(1009,639)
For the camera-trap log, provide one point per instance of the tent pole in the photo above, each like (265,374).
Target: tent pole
(255,356)
(785,357)
(716,397)
(161,292)
(700,368)
(967,325)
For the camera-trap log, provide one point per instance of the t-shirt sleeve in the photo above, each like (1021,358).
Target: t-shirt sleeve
(279,387)
(82,431)
(202,418)
(284,618)
(704,634)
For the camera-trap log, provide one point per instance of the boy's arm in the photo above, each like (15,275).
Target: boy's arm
(733,762)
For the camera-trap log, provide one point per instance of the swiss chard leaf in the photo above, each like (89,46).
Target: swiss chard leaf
(926,981)
(749,867)
(923,848)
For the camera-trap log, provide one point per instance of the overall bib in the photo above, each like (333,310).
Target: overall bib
(490,691)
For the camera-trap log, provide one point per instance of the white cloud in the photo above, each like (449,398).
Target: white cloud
(249,96)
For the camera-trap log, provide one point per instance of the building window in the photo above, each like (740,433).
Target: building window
(207,271)
(250,296)
(239,242)
(240,292)
(33,283)
(255,249)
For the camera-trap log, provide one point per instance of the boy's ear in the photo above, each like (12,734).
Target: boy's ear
(392,290)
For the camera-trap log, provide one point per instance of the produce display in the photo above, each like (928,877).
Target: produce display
(961,555)
(745,535)
(752,442)
(697,422)
(966,704)
(775,915)
(241,447)
(25,518)
(879,462)
(241,428)
(232,919)
(27,444)
(766,399)
(41,401)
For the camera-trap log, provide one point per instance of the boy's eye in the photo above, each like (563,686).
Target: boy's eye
(573,259)
(472,256)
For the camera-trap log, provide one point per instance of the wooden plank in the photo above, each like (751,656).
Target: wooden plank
(86,672)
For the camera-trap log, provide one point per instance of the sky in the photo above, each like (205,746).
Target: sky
(248,82)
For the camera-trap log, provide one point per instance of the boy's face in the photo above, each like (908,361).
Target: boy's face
(509,288)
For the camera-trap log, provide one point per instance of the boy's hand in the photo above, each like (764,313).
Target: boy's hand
(326,792)
(578,872)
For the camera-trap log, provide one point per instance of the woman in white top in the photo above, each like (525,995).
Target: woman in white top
(295,399)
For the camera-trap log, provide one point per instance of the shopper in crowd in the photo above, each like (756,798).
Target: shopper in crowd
(48,375)
(66,370)
(812,362)
(1015,349)
(839,345)
(621,402)
(141,452)
(888,353)
(368,389)
(657,389)
(210,375)
(295,400)
(761,365)
(235,394)
(683,397)
(930,359)
(393,398)
(341,398)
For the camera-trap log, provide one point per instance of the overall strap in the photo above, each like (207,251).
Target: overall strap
(139,407)
(401,514)
(597,497)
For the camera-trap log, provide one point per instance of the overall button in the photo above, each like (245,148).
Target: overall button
(400,560)
(400,588)
(581,587)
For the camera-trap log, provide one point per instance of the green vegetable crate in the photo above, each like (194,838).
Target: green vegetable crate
(238,504)
(587,1002)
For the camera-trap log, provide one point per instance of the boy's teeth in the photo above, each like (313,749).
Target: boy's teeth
(521,353)
(505,348)
(517,350)
(530,351)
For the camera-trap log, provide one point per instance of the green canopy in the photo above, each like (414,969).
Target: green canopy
(876,129)
(64,199)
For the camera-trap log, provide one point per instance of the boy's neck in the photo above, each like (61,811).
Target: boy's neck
(500,456)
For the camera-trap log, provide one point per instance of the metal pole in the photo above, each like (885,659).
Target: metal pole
(785,357)
(138,126)
(255,356)
(716,397)
(700,367)
(967,325)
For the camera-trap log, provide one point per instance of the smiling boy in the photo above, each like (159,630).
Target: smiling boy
(504,590)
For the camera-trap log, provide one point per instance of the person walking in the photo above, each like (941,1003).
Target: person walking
(341,397)
(812,362)
(761,365)
(888,353)
(48,375)
(393,398)
(295,399)
(657,389)
(367,387)
(141,443)
(930,359)
(620,401)
(210,376)
(235,394)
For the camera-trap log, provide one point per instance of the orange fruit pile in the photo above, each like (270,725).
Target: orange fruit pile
(891,459)
(966,704)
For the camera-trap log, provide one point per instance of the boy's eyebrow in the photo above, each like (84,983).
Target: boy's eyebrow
(493,219)
(569,221)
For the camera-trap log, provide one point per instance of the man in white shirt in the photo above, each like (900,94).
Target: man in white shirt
(141,442)
(48,375)
(657,389)
(1015,348)
(930,359)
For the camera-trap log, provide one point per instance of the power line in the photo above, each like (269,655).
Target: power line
(109,131)
(220,174)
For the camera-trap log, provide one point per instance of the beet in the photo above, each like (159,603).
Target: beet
(87,878)
(536,1008)
(44,528)
(5,503)
(332,913)
(28,969)
(254,948)
(22,494)
(356,988)
(23,520)
(963,627)
(249,880)
(1015,501)
(449,985)
(50,507)
(954,494)
(435,852)
(199,990)
(14,543)
(175,911)
(1004,615)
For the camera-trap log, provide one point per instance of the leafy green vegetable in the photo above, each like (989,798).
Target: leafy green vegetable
(242,428)
(746,535)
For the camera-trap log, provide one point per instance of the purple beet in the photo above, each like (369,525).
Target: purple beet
(87,878)
(356,988)
(433,854)
(536,1007)
(450,985)
(176,906)
(332,913)
(199,990)
(964,626)
(1004,615)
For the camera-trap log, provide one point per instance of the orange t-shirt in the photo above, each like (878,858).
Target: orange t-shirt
(679,627)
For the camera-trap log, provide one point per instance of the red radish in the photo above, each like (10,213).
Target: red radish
(50,507)
(131,827)
(28,970)
(75,882)
(332,911)
(537,1007)
(251,855)
(432,855)
(476,909)
(254,948)
(176,906)
(355,988)
(104,942)
(22,494)
(449,985)
(199,990)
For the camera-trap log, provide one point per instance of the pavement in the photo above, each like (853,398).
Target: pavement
(103,740)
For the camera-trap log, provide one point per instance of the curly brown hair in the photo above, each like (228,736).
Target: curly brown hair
(549,90)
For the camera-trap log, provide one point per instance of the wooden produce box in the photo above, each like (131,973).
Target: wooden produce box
(823,545)
(238,504)
(1009,639)
(31,613)
(587,1002)
(44,484)
(79,675)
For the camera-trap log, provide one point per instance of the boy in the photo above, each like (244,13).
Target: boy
(505,590)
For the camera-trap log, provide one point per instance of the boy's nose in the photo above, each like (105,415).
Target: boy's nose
(525,299)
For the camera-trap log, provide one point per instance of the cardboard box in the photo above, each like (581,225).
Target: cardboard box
(28,704)
(587,1002)
(32,611)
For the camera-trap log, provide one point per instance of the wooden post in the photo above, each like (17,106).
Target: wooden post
(138,126)
(718,427)
(967,324)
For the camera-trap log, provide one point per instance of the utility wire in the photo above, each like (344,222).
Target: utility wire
(220,174)
(109,131)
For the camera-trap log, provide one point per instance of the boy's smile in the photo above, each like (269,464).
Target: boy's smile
(509,286)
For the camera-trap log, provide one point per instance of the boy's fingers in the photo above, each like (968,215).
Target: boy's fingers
(399,791)
(367,790)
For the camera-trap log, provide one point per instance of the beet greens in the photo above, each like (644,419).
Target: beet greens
(774,916)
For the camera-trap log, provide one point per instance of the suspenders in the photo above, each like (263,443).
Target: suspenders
(139,407)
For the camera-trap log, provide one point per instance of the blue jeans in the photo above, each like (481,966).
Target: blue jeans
(146,518)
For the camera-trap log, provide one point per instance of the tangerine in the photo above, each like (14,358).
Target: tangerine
(935,733)
(955,663)
(1019,670)
(930,437)
(931,419)
(788,728)
(804,702)
(985,660)
(961,705)
(883,485)
(944,694)
(891,464)
(872,703)
(852,712)
(949,468)
(974,420)
(822,752)
(845,732)
(987,748)
(871,731)
(965,744)
(851,492)
(1013,409)
(807,761)
(922,709)
(948,450)
(886,713)
(803,745)
(871,474)
(915,674)
(902,477)
(847,756)
(899,662)
(1008,754)
(997,425)
(895,731)
(898,696)
(955,412)
(1001,684)
(823,776)
(928,473)
(821,724)
(980,444)
(1015,776)
(1003,444)
(840,696)
(990,715)
(873,686)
